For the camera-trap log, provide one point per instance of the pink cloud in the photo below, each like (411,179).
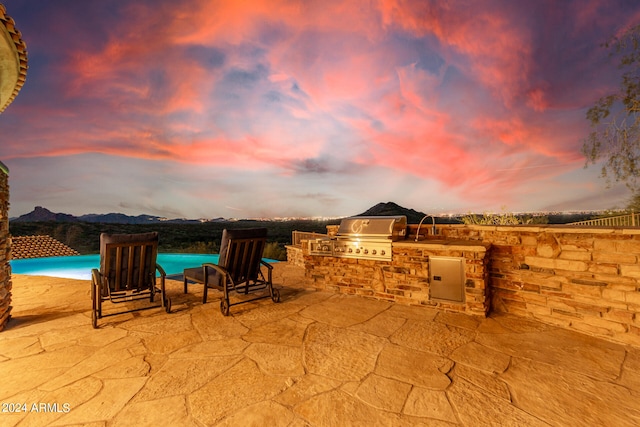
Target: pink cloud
(475,98)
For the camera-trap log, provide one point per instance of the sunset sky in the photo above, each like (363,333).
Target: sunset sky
(204,109)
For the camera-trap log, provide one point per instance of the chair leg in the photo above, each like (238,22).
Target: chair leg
(204,294)
(166,301)
(98,304)
(94,307)
(185,285)
(224,303)
(275,294)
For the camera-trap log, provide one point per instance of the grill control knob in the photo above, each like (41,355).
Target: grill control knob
(350,250)
(373,252)
(366,251)
(357,251)
(325,248)
(382,252)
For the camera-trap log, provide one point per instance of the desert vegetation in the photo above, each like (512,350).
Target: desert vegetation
(182,238)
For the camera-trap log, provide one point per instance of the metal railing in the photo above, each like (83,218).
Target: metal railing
(631,220)
(298,236)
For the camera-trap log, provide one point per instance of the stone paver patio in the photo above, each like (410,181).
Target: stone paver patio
(317,358)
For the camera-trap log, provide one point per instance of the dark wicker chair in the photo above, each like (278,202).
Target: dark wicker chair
(238,269)
(127,272)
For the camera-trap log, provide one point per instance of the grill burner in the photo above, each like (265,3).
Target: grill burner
(363,237)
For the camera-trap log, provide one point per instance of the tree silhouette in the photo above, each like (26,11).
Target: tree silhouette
(615,119)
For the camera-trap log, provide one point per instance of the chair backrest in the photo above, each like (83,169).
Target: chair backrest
(128,261)
(241,251)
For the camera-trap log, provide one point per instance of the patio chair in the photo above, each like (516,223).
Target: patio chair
(239,268)
(127,272)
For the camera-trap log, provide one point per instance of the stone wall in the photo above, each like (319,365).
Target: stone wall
(587,278)
(404,279)
(294,255)
(5,247)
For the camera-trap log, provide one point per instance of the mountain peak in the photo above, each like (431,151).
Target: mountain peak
(42,214)
(392,209)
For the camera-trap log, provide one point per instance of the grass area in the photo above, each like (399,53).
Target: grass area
(189,238)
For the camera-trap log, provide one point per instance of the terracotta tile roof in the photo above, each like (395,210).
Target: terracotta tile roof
(38,247)
(8,27)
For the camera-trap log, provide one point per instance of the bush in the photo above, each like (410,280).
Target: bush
(273,250)
(201,248)
(491,219)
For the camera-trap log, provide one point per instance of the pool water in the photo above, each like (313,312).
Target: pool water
(79,266)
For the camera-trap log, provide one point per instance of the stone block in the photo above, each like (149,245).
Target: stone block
(557,320)
(530,287)
(610,326)
(632,271)
(539,262)
(632,297)
(613,295)
(582,290)
(569,265)
(621,283)
(589,329)
(551,285)
(554,264)
(566,313)
(548,247)
(576,255)
(506,284)
(537,309)
(628,246)
(604,245)
(528,240)
(608,269)
(558,304)
(573,243)
(613,257)
(619,316)
(535,299)
(555,294)
(512,305)
(593,309)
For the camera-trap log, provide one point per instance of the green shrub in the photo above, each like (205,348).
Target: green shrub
(504,218)
(201,248)
(273,250)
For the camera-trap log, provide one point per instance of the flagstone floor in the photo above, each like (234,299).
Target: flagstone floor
(316,358)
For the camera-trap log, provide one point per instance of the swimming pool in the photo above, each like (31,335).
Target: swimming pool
(79,266)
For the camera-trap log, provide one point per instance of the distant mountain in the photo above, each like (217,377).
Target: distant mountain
(392,209)
(42,214)
(118,218)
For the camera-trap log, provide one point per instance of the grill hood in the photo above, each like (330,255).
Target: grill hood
(374,227)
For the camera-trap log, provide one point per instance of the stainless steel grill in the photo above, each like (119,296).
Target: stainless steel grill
(362,237)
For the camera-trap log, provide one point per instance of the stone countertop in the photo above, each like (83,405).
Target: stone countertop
(444,244)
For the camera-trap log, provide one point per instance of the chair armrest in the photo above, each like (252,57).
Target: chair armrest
(216,267)
(95,275)
(266,264)
(269,270)
(161,270)
(221,270)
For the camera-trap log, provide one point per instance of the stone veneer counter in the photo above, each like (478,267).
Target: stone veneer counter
(405,279)
(446,244)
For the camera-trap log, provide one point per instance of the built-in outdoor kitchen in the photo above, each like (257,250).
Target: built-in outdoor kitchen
(383,257)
